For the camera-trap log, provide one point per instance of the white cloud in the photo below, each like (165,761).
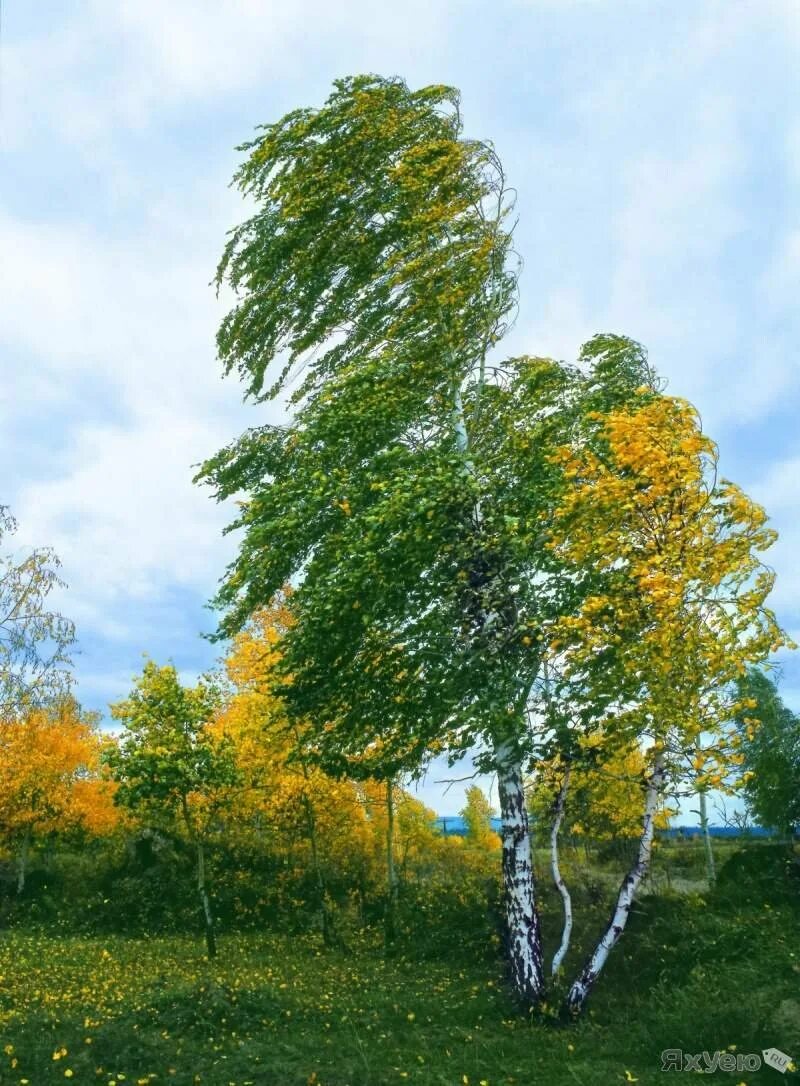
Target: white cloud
(135,312)
(130,323)
(635,156)
(778,490)
(123,66)
(123,516)
(781,280)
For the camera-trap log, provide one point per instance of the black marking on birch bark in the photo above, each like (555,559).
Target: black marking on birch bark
(522,917)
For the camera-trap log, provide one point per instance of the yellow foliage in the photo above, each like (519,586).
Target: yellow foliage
(605,798)
(50,774)
(681,597)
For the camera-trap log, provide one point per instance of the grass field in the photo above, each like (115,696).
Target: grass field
(694,972)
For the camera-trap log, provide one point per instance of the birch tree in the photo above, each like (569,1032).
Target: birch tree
(591,791)
(372,286)
(676,612)
(35,640)
(414,491)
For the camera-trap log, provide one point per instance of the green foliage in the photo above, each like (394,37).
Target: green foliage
(370,224)
(770,742)
(452,519)
(415,485)
(168,765)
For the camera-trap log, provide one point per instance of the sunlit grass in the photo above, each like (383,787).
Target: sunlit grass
(696,972)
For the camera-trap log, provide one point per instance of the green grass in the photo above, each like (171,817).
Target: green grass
(692,972)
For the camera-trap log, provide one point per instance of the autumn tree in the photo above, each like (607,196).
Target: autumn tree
(172,770)
(34,639)
(288,792)
(50,778)
(364,827)
(410,492)
(477,814)
(675,607)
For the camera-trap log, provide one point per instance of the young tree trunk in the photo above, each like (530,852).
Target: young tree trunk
(22,862)
(211,939)
(329,936)
(585,981)
(522,916)
(390,918)
(711,870)
(566,933)
(200,854)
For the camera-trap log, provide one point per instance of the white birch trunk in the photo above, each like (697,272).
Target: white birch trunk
(585,981)
(522,917)
(558,879)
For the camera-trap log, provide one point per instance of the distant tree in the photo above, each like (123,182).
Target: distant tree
(34,639)
(477,814)
(171,769)
(289,793)
(50,778)
(770,744)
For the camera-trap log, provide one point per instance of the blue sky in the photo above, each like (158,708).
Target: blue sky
(655,148)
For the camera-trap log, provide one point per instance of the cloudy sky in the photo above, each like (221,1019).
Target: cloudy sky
(655,148)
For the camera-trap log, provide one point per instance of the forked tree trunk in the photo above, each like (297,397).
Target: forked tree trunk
(390,918)
(522,916)
(587,978)
(22,862)
(558,816)
(208,916)
(711,870)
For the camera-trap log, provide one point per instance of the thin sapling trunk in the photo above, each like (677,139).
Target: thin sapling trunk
(22,862)
(587,978)
(390,919)
(329,935)
(208,916)
(200,872)
(558,879)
